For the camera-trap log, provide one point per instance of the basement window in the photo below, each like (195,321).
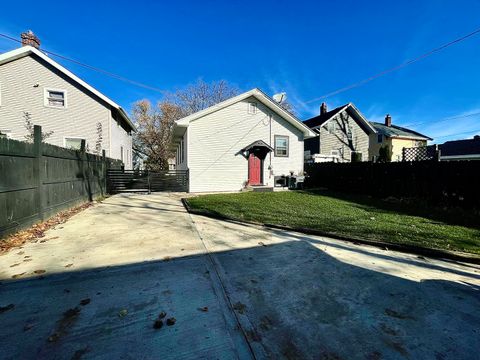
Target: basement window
(55,98)
(73,143)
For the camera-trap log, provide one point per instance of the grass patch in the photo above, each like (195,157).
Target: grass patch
(353,216)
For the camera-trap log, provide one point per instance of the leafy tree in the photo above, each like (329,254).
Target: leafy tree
(384,154)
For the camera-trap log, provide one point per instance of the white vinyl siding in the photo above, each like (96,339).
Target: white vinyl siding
(215,140)
(23,83)
(335,136)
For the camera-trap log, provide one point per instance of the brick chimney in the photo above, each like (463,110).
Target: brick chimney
(29,38)
(388,120)
(323,108)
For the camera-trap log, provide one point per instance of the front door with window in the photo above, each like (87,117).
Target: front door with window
(254,170)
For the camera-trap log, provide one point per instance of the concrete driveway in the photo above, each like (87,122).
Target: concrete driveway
(235,291)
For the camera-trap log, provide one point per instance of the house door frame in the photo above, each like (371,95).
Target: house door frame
(260,169)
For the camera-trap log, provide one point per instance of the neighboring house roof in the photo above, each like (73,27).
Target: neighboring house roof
(461,147)
(260,96)
(394,131)
(351,109)
(29,50)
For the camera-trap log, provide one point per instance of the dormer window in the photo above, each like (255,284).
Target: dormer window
(55,98)
(252,108)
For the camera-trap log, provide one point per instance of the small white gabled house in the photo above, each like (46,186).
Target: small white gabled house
(248,140)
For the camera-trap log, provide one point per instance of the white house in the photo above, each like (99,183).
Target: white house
(34,86)
(248,140)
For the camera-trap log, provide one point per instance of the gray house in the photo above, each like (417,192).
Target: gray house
(34,89)
(342,135)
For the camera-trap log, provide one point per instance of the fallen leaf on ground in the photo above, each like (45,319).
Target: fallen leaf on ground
(27,260)
(122,313)
(158,324)
(68,265)
(261,243)
(85,302)
(15,265)
(39,271)
(38,230)
(204,309)
(167,258)
(171,321)
(162,315)
(7,308)
(239,307)
(16,276)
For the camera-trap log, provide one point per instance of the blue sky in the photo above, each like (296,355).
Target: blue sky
(306,48)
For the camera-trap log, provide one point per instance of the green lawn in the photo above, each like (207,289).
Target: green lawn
(353,216)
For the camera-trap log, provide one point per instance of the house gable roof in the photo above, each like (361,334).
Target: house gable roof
(29,50)
(260,96)
(395,131)
(322,119)
(461,147)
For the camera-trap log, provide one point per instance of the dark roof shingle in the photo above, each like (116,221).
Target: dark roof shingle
(461,147)
(397,131)
(322,118)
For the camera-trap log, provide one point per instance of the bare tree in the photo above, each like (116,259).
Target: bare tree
(29,125)
(288,107)
(345,136)
(152,141)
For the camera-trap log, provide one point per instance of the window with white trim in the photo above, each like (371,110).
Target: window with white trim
(55,98)
(331,127)
(73,143)
(252,108)
(349,132)
(281,146)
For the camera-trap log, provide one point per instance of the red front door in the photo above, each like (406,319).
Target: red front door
(254,170)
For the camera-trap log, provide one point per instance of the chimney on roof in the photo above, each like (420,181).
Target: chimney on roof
(323,108)
(388,120)
(30,39)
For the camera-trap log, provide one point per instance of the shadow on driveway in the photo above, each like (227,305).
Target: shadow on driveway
(294,300)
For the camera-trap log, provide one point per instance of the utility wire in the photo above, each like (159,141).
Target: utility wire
(443,120)
(395,68)
(102,71)
(461,133)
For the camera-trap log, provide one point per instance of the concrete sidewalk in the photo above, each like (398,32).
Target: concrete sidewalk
(295,296)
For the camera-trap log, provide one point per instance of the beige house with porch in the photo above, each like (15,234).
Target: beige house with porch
(395,138)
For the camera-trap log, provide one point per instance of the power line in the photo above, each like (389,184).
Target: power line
(443,120)
(461,133)
(102,71)
(402,65)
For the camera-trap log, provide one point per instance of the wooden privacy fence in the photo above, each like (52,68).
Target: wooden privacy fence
(39,180)
(453,183)
(119,180)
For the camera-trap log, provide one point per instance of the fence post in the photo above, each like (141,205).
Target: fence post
(403,154)
(37,169)
(104,171)
(438,153)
